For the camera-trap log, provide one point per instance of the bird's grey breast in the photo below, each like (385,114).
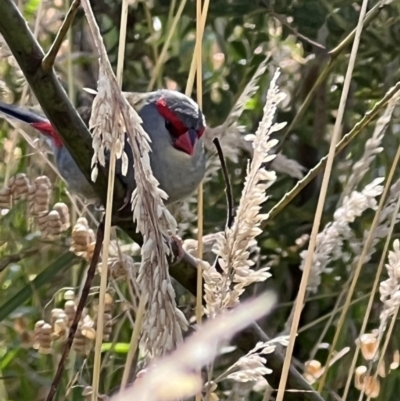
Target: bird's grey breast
(70,171)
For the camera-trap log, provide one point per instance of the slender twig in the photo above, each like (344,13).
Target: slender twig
(49,58)
(320,207)
(349,38)
(228,186)
(4,262)
(328,316)
(78,313)
(295,32)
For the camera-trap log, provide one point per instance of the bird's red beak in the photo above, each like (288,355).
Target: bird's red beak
(187,141)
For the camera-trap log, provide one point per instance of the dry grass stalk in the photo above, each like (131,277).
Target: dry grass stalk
(386,221)
(319,210)
(197,55)
(372,238)
(233,247)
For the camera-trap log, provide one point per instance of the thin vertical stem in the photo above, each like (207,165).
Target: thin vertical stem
(107,229)
(320,206)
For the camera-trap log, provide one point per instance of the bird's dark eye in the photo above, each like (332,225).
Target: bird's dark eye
(171,129)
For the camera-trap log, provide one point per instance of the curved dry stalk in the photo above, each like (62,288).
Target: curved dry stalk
(321,202)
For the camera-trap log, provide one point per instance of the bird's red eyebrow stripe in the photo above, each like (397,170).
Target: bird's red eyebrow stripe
(169,115)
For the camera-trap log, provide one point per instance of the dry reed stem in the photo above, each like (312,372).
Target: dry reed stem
(344,311)
(110,192)
(389,290)
(120,70)
(161,59)
(375,285)
(363,255)
(198,56)
(200,25)
(74,209)
(318,214)
(328,324)
(70,77)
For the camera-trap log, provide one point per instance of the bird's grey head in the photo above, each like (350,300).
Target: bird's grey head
(180,115)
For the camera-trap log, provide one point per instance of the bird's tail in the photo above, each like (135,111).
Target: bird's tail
(22,114)
(37,121)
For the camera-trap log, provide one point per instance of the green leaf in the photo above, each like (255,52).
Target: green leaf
(119,348)
(62,264)
(8,357)
(32,6)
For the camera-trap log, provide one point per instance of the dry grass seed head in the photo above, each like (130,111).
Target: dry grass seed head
(389,289)
(330,240)
(233,246)
(112,117)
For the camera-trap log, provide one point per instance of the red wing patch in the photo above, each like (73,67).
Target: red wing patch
(47,128)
